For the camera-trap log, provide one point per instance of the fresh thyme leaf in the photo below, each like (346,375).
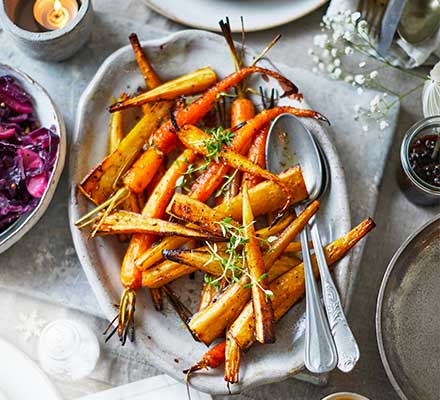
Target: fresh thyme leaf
(214,144)
(262,277)
(224,187)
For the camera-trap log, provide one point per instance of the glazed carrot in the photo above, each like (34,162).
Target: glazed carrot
(164,139)
(207,294)
(206,184)
(150,77)
(210,323)
(232,359)
(116,132)
(257,155)
(198,141)
(263,313)
(267,190)
(155,207)
(185,85)
(213,358)
(131,275)
(242,110)
(289,288)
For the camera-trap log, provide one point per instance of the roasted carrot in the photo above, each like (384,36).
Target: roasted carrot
(229,305)
(213,358)
(201,142)
(150,77)
(128,222)
(273,198)
(289,288)
(186,85)
(206,184)
(257,155)
(116,131)
(232,359)
(131,276)
(164,139)
(263,313)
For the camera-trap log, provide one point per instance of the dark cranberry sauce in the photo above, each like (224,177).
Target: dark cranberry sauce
(421,161)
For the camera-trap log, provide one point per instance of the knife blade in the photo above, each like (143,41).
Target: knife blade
(390,20)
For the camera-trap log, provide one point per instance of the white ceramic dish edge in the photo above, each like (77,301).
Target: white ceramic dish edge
(157,357)
(165,9)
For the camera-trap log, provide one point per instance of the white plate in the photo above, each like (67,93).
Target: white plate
(21,378)
(258,14)
(161,336)
(49,116)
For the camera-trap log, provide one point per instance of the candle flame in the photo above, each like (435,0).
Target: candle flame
(57,5)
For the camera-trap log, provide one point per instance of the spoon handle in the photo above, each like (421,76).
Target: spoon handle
(320,352)
(346,346)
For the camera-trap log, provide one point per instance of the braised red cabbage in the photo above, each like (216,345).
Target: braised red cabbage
(27,153)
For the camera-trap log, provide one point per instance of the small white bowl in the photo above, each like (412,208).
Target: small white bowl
(49,116)
(345,396)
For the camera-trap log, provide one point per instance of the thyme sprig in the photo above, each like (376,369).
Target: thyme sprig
(214,144)
(234,264)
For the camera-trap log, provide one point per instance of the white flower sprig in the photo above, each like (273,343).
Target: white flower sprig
(343,35)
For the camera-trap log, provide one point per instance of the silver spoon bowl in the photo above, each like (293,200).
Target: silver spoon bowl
(420,20)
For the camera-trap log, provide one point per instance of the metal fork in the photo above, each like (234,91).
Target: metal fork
(373,11)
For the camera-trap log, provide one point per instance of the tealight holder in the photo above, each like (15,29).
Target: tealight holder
(50,37)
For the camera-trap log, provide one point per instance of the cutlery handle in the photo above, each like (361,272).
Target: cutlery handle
(346,346)
(320,352)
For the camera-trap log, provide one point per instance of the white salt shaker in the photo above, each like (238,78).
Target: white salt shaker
(68,350)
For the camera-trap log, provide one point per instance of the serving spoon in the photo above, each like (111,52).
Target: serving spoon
(329,340)
(420,20)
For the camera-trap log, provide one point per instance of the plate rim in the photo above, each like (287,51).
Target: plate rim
(155,356)
(176,19)
(379,304)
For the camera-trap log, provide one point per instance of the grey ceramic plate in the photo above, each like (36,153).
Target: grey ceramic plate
(258,14)
(49,116)
(408,316)
(161,338)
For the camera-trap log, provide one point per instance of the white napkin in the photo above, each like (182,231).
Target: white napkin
(160,387)
(401,52)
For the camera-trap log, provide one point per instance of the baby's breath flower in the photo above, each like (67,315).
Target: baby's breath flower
(310,52)
(344,34)
(374,74)
(365,128)
(359,79)
(383,124)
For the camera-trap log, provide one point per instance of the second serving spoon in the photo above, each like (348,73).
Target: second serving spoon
(289,142)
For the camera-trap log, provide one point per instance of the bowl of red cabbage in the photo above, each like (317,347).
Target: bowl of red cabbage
(32,152)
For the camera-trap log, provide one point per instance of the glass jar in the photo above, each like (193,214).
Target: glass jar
(415,188)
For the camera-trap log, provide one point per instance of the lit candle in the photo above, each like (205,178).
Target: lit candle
(54,14)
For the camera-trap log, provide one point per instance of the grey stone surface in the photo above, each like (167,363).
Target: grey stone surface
(49,244)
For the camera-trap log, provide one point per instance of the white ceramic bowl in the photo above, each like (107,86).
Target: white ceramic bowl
(49,116)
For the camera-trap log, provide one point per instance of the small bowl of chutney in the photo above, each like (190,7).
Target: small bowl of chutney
(420,158)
